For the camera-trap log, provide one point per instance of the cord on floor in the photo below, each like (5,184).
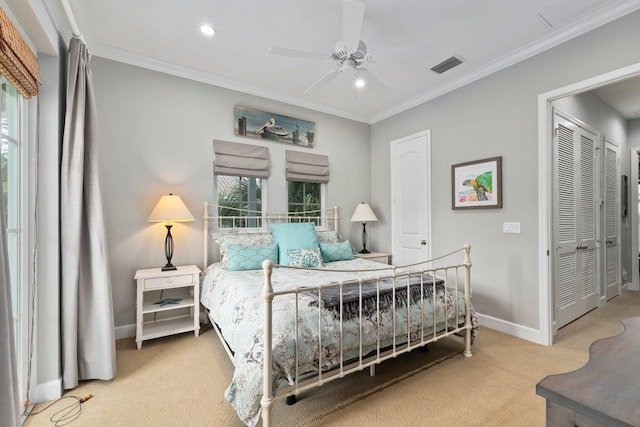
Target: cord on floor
(64,415)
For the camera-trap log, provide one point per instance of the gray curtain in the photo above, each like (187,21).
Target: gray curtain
(88,337)
(9,400)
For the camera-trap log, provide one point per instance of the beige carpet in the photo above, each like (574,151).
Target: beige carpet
(180,380)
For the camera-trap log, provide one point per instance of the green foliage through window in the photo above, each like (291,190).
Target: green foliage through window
(239,201)
(304,197)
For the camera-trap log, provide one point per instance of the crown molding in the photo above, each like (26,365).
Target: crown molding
(146,62)
(555,38)
(586,24)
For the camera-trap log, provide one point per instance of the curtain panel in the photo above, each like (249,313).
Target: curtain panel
(307,167)
(88,335)
(232,158)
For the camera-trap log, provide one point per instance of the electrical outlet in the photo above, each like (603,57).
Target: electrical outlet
(511,227)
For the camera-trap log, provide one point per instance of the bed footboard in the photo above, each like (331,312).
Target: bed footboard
(443,324)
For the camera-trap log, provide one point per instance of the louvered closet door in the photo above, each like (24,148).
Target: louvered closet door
(612,216)
(575,219)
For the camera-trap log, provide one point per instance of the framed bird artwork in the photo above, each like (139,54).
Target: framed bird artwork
(477,184)
(275,127)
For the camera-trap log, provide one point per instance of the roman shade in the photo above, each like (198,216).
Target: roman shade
(232,158)
(307,167)
(17,62)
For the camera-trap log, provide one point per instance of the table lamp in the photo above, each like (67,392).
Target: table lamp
(170,209)
(363,214)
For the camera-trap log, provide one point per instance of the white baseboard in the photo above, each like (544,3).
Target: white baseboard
(44,392)
(126,331)
(519,331)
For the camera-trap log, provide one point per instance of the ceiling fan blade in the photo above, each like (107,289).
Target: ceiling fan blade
(325,80)
(352,19)
(371,81)
(284,51)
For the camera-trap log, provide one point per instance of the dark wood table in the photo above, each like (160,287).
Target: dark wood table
(605,391)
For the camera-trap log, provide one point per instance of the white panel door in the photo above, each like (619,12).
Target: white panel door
(411,199)
(575,221)
(612,219)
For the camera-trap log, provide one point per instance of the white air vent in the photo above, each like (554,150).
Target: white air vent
(447,64)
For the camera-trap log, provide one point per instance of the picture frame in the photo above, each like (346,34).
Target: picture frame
(477,184)
(259,124)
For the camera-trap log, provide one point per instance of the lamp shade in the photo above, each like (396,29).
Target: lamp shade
(170,208)
(363,213)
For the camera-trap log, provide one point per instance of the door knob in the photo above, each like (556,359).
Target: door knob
(423,242)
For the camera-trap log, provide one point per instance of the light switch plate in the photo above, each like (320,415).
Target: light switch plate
(511,227)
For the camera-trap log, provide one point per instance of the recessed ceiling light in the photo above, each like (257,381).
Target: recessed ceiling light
(207,30)
(360,82)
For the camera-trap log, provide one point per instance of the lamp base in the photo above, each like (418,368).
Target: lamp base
(365,251)
(168,250)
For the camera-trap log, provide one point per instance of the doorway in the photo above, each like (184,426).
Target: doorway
(411,198)
(634,215)
(545,153)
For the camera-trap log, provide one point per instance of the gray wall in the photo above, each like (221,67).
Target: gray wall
(156,134)
(497,116)
(47,333)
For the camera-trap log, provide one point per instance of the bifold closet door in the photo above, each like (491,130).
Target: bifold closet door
(575,221)
(612,219)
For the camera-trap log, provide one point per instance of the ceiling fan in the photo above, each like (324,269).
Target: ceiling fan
(349,54)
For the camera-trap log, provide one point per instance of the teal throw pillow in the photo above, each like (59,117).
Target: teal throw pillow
(304,257)
(293,236)
(328,236)
(250,257)
(336,251)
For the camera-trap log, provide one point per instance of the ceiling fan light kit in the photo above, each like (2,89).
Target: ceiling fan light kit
(348,54)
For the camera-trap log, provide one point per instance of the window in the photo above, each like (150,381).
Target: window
(305,197)
(239,200)
(307,175)
(11,185)
(13,117)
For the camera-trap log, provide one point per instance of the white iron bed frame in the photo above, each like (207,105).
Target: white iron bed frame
(304,381)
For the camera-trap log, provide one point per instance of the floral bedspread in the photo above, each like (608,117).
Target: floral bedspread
(234,300)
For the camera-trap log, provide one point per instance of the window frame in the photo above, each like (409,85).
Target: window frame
(23,231)
(261,220)
(321,208)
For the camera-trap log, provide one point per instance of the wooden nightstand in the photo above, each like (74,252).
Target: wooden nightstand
(168,302)
(375,256)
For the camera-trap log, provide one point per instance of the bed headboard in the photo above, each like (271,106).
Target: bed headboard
(222,220)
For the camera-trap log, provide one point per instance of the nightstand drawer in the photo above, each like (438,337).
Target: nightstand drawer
(168,282)
(384,259)
(381,257)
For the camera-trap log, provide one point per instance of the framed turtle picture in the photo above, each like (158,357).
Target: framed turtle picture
(274,127)
(477,184)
